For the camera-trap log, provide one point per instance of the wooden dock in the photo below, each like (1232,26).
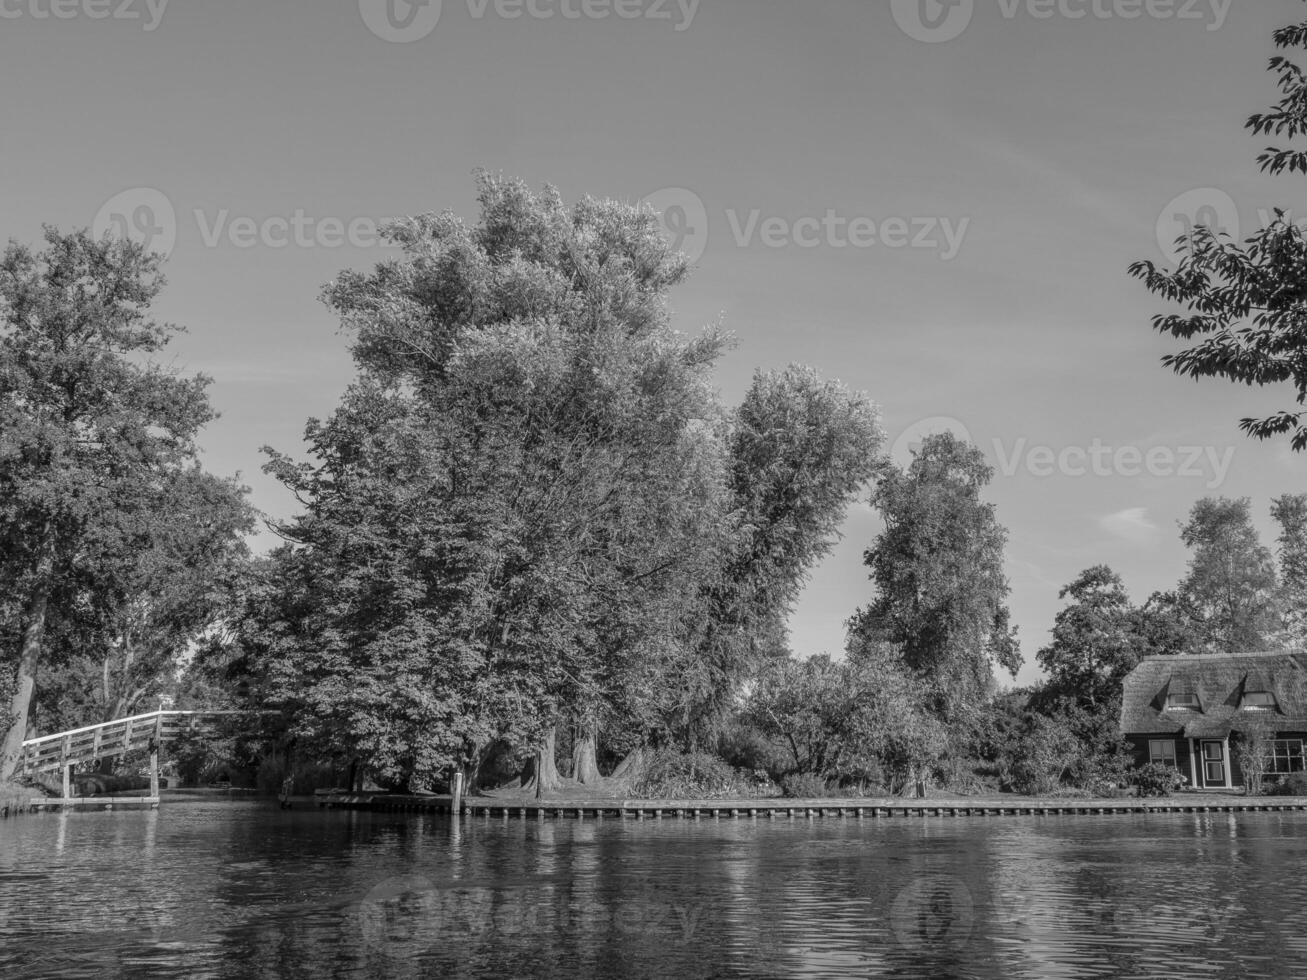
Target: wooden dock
(864,809)
(54,803)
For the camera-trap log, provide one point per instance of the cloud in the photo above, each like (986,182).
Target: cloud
(1131,525)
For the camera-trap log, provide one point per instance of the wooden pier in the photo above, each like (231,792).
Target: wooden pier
(64,751)
(786,809)
(56,803)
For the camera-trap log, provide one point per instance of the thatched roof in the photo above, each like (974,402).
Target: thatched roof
(1219,680)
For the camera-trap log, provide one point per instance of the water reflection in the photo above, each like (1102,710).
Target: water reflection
(247,890)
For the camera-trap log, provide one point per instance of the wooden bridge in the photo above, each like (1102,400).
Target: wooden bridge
(64,751)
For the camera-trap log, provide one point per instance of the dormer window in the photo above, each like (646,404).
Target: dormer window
(1258,701)
(1182,702)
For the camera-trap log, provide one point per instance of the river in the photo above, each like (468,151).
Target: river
(217,889)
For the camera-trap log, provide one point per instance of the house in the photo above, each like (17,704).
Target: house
(1187,711)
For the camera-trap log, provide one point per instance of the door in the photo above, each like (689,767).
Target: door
(1213,763)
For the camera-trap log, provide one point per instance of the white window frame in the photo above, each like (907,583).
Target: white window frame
(1166,758)
(1270,705)
(1281,752)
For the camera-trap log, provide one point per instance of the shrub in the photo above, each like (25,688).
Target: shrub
(1157,779)
(694,776)
(806,786)
(1294,784)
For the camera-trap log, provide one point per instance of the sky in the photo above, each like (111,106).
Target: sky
(935,202)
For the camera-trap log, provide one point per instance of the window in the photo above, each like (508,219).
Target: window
(1163,750)
(1286,756)
(1258,701)
(1182,702)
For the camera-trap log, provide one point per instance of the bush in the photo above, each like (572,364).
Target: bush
(696,776)
(1157,779)
(742,746)
(806,786)
(1294,784)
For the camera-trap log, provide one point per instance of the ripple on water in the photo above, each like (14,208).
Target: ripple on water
(246,890)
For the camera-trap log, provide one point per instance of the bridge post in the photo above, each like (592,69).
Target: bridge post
(67,768)
(154,756)
(456,804)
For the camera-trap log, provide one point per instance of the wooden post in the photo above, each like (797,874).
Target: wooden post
(154,756)
(68,780)
(456,806)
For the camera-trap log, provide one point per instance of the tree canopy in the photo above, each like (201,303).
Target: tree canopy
(938,573)
(530,508)
(1244,315)
(99,470)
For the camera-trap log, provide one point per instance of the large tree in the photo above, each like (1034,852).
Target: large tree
(938,574)
(94,437)
(525,475)
(1246,302)
(139,620)
(526,508)
(1229,593)
(1290,512)
(1094,643)
(800,451)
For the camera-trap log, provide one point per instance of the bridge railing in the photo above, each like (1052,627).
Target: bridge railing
(115,738)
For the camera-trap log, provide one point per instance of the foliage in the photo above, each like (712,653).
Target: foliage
(515,503)
(1229,593)
(800,450)
(530,508)
(1164,626)
(1252,750)
(1095,643)
(1243,302)
(1157,779)
(938,572)
(1049,752)
(807,786)
(855,721)
(98,462)
(673,775)
(1290,512)
(1293,784)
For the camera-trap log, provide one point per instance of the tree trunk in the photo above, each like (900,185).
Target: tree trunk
(542,774)
(585,768)
(28,662)
(631,770)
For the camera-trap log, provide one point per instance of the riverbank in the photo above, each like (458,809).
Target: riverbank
(778,808)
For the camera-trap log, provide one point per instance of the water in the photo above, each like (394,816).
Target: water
(246,890)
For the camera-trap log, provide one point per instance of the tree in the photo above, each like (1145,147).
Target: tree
(529,513)
(1094,640)
(1253,750)
(1165,626)
(1229,593)
(150,607)
(850,721)
(1290,512)
(938,572)
(92,433)
(1245,302)
(800,451)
